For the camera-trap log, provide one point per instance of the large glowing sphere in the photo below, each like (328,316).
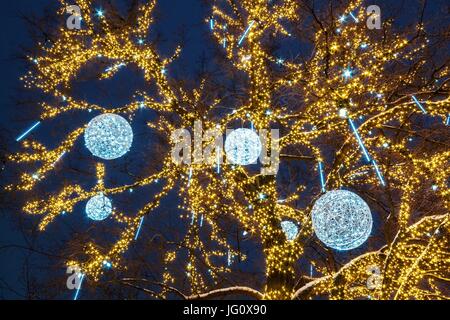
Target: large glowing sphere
(108,136)
(242,147)
(341,220)
(99,207)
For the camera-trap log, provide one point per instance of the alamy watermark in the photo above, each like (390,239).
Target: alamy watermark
(375,279)
(208,147)
(74,20)
(74,279)
(374,17)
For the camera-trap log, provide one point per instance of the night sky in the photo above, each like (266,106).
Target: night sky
(173,16)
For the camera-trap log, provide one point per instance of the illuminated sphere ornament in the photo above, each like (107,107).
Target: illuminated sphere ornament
(108,136)
(243,147)
(99,207)
(341,220)
(290,229)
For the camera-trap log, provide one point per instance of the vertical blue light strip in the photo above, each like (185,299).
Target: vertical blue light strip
(380,176)
(23,135)
(139,228)
(322,178)
(219,153)
(211,23)
(419,104)
(448,120)
(201,221)
(361,144)
(246,32)
(79,287)
(190,176)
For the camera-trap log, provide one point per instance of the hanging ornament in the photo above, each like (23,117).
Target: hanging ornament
(290,229)
(243,147)
(108,136)
(341,220)
(99,207)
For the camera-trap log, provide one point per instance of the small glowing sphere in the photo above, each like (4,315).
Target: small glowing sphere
(243,147)
(343,113)
(99,207)
(108,136)
(341,220)
(290,229)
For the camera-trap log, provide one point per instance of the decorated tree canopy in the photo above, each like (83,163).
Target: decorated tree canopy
(354,108)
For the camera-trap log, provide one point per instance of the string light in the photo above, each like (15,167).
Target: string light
(244,35)
(347,73)
(23,135)
(353,16)
(419,104)
(139,228)
(322,178)
(380,176)
(358,138)
(77,292)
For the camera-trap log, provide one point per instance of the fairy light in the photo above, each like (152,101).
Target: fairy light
(77,292)
(419,104)
(139,229)
(244,35)
(23,135)
(358,138)
(59,158)
(322,177)
(347,73)
(353,16)
(218,159)
(377,170)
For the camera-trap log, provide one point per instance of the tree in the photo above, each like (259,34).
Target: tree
(376,95)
